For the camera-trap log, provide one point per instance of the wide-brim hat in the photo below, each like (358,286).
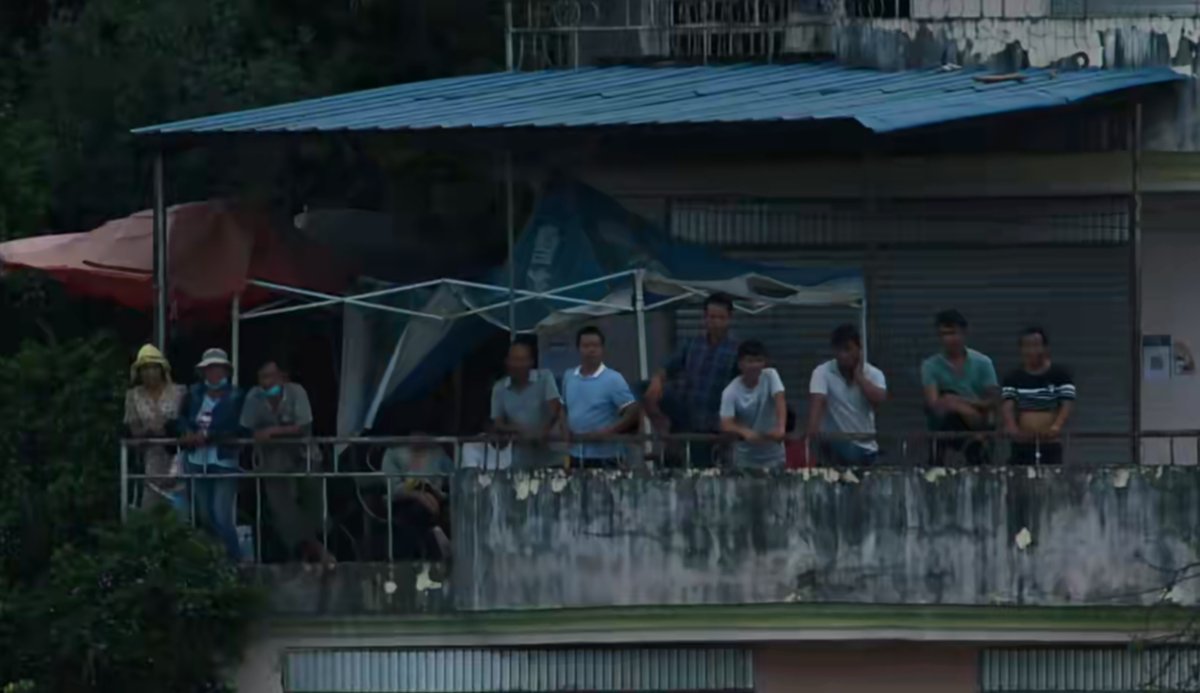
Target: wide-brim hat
(214,357)
(149,355)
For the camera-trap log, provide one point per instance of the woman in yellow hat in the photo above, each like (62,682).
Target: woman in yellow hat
(151,405)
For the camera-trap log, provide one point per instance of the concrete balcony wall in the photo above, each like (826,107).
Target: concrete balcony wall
(919,537)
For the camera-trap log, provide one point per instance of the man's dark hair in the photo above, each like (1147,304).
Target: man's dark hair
(845,335)
(584,331)
(1031,331)
(950,318)
(722,300)
(280,362)
(752,347)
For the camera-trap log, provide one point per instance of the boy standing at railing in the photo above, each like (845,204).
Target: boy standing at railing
(754,408)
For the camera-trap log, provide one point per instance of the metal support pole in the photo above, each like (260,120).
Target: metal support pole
(1135,274)
(161,290)
(862,326)
(235,329)
(512,230)
(639,306)
(124,481)
(508,35)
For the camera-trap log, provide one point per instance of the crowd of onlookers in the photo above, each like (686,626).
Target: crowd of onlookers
(711,385)
(714,384)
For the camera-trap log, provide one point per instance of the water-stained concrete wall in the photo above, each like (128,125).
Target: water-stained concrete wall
(971,537)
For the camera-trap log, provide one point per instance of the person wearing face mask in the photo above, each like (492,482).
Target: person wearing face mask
(279,408)
(151,407)
(210,419)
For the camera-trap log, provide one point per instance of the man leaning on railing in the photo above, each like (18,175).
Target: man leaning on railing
(278,408)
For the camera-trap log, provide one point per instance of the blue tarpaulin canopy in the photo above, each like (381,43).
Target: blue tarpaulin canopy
(581,256)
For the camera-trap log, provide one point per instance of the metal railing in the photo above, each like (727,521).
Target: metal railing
(365,501)
(568,33)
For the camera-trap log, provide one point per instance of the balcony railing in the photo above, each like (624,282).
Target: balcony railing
(352,483)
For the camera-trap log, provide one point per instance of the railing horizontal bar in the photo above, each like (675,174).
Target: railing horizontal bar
(696,437)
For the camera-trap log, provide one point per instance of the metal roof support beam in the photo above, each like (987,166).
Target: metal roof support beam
(1135,274)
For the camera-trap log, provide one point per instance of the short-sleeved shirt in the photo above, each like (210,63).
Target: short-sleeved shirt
(1045,391)
(847,409)
(754,408)
(528,409)
(703,369)
(977,377)
(294,410)
(595,402)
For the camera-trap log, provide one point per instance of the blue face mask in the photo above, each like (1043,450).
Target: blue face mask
(273,391)
(219,385)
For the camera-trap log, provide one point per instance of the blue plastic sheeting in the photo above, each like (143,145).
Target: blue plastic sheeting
(678,96)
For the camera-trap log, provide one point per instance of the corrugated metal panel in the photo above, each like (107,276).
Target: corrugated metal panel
(1078,293)
(635,96)
(1080,670)
(484,671)
(1097,220)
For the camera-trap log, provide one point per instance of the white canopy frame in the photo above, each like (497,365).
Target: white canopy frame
(312,300)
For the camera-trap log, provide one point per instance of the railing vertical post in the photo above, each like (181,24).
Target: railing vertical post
(258,534)
(124,481)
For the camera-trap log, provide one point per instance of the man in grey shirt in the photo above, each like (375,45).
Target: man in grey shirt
(753,408)
(526,404)
(278,408)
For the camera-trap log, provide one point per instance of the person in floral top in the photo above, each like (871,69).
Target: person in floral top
(151,406)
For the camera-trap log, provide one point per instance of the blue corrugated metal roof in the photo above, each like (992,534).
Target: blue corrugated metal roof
(664,96)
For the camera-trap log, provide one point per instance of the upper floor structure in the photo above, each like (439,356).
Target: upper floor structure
(884,34)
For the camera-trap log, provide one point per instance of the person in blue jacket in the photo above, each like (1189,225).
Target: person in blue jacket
(209,422)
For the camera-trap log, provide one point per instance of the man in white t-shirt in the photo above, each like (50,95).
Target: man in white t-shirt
(843,396)
(753,408)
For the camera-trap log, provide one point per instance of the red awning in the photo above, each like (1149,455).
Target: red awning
(213,249)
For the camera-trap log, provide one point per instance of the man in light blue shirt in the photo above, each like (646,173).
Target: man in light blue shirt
(599,403)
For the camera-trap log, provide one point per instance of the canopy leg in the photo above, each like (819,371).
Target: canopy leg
(511,223)
(639,307)
(235,330)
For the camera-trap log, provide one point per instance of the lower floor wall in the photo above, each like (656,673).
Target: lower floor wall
(331,664)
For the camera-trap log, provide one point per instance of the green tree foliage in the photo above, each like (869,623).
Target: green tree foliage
(88,603)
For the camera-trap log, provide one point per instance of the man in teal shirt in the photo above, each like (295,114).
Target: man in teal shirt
(961,389)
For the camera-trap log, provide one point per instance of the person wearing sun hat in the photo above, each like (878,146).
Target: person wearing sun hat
(211,417)
(152,405)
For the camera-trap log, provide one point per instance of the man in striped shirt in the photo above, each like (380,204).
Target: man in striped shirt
(1038,400)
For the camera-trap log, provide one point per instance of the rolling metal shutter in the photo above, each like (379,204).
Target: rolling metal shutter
(1085,670)
(1061,264)
(645,670)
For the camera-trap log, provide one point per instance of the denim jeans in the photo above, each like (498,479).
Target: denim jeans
(214,501)
(845,452)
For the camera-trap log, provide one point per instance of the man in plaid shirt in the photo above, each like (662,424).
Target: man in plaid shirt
(697,375)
